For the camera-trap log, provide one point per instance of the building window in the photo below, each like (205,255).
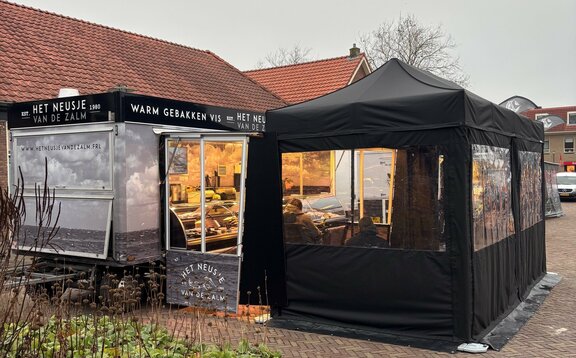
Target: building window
(538,116)
(546,146)
(571,116)
(568,145)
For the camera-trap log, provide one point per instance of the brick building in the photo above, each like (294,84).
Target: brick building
(41,52)
(559,139)
(3,146)
(304,81)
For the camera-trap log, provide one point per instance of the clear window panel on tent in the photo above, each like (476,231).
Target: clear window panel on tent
(374,183)
(364,198)
(530,189)
(417,220)
(491,195)
(553,204)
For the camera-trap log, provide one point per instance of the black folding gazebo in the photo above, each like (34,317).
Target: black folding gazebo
(486,248)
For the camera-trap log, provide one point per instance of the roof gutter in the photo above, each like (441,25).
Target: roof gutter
(4,110)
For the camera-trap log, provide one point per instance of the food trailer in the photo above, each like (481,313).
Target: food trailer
(141,179)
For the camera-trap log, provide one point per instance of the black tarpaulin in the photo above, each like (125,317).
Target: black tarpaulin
(395,98)
(358,290)
(511,324)
(262,280)
(457,294)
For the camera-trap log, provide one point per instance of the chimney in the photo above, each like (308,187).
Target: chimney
(68,92)
(354,51)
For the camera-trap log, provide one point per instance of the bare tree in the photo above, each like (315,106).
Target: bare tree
(428,48)
(283,57)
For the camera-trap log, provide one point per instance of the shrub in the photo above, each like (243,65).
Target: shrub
(90,315)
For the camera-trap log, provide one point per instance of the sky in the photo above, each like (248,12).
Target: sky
(507,47)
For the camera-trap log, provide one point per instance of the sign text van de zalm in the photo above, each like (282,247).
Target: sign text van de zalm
(60,111)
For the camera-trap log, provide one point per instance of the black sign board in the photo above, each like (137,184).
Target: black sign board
(134,108)
(61,111)
(158,110)
(202,280)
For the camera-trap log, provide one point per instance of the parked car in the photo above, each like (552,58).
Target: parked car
(566,185)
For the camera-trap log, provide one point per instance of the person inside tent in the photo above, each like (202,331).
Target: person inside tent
(298,227)
(368,235)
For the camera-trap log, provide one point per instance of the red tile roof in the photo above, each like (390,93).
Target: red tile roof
(561,112)
(41,52)
(304,81)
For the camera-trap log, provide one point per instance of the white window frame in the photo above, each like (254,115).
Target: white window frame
(69,251)
(546,148)
(202,138)
(73,192)
(537,116)
(568,150)
(573,113)
(55,131)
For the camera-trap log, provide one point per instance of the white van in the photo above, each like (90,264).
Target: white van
(566,184)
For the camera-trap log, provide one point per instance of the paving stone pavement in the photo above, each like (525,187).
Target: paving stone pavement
(551,332)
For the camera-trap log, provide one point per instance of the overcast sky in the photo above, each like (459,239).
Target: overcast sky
(507,47)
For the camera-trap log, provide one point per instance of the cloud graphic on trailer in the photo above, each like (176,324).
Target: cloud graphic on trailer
(84,167)
(141,147)
(142,193)
(76,213)
(143,200)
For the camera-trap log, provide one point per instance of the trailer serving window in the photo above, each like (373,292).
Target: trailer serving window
(82,234)
(336,197)
(79,169)
(76,160)
(205,191)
